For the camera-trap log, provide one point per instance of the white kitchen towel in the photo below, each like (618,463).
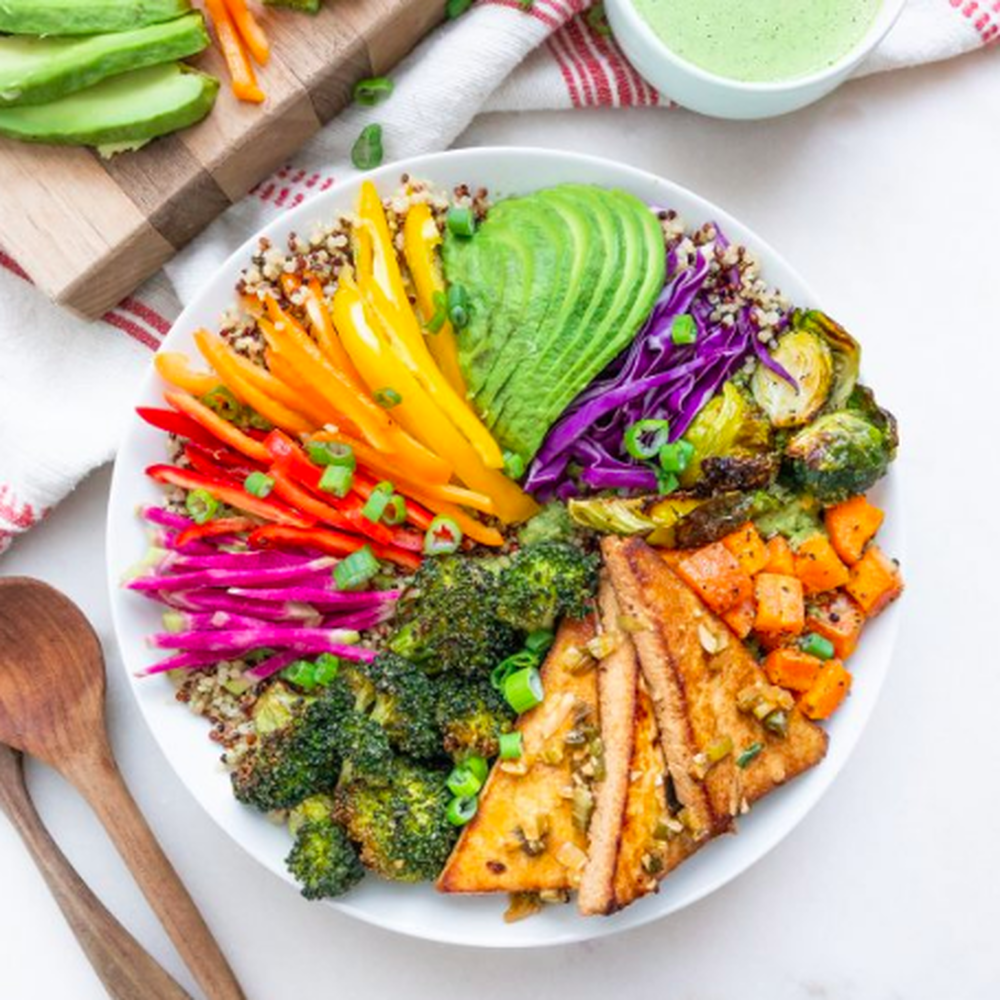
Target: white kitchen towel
(65,385)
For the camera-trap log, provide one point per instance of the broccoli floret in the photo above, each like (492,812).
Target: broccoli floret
(401,828)
(551,524)
(472,715)
(448,622)
(545,581)
(363,746)
(323,860)
(400,698)
(838,456)
(291,763)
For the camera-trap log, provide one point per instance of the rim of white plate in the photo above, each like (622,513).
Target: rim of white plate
(416,910)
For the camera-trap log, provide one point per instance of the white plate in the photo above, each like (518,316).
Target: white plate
(418,910)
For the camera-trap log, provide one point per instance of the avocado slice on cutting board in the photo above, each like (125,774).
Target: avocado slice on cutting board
(85,17)
(39,70)
(126,109)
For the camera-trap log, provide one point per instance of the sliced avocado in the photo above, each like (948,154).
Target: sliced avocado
(40,70)
(85,17)
(127,108)
(590,263)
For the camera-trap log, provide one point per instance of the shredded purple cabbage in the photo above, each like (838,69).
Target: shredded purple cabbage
(651,378)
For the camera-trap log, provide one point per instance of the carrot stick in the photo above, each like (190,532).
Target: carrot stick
(250,31)
(222,429)
(244,80)
(173,367)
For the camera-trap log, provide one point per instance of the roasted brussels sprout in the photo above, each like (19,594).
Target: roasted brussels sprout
(727,473)
(838,455)
(844,350)
(729,424)
(637,516)
(713,520)
(807,358)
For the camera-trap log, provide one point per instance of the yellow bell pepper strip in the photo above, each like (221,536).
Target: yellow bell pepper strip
(400,327)
(381,367)
(325,332)
(173,367)
(421,238)
(253,385)
(285,335)
(226,432)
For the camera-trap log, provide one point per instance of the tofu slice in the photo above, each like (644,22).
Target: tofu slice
(492,855)
(617,685)
(694,693)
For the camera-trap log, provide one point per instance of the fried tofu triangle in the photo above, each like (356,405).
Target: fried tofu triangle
(698,673)
(523,837)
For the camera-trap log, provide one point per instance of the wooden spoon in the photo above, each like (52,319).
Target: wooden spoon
(52,687)
(126,969)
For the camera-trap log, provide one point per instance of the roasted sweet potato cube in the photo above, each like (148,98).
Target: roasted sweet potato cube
(717,577)
(780,604)
(818,566)
(837,617)
(875,581)
(740,617)
(780,557)
(828,691)
(790,668)
(749,548)
(852,525)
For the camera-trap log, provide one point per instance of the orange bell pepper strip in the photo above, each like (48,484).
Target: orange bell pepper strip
(222,429)
(249,30)
(318,407)
(421,238)
(326,334)
(244,80)
(247,386)
(283,334)
(381,367)
(173,367)
(403,333)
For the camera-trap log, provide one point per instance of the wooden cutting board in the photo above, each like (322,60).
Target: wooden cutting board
(88,230)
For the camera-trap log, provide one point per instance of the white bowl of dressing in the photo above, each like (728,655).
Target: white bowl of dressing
(734,59)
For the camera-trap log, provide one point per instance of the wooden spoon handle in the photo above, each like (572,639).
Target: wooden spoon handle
(100,782)
(126,969)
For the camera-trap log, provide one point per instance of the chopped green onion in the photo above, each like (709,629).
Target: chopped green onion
(676,457)
(666,482)
(458,306)
(442,537)
(372,91)
(817,645)
(337,479)
(524,690)
(460,220)
(223,402)
(748,754)
(327,667)
(518,661)
(376,503)
(684,330)
(258,485)
(332,453)
(366,153)
(355,570)
(461,810)
(539,642)
(201,505)
(513,464)
(456,8)
(511,746)
(479,767)
(463,783)
(440,316)
(387,398)
(301,673)
(395,510)
(645,438)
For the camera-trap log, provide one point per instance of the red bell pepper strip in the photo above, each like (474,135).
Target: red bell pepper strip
(245,444)
(418,515)
(220,526)
(204,461)
(227,493)
(176,423)
(335,543)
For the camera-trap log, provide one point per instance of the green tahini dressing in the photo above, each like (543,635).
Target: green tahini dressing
(760,40)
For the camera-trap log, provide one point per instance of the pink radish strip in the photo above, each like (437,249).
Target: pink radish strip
(304,640)
(181,661)
(235,578)
(210,600)
(204,621)
(320,596)
(165,518)
(180,562)
(271,666)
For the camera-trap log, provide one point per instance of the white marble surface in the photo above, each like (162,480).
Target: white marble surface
(885,197)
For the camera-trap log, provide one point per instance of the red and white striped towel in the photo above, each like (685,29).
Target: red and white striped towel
(65,386)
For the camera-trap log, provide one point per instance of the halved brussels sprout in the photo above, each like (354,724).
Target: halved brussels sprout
(636,516)
(844,349)
(807,358)
(729,423)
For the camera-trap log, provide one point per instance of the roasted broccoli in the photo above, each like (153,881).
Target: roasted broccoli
(401,828)
(471,714)
(448,619)
(295,761)
(551,524)
(400,698)
(543,582)
(363,748)
(838,455)
(323,860)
